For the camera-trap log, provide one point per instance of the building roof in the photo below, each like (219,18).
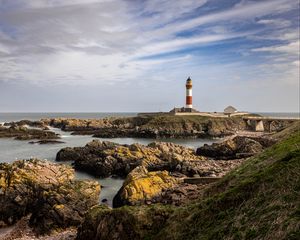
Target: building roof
(230,109)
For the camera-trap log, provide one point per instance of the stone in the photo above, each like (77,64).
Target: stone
(47,191)
(233,148)
(24,133)
(141,186)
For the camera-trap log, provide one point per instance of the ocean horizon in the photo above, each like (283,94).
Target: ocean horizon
(17,116)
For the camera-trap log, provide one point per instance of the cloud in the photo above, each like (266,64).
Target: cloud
(115,41)
(291,48)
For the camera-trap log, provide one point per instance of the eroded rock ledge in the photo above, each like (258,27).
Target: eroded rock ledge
(106,158)
(47,191)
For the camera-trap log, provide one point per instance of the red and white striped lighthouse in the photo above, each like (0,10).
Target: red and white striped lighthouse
(189,97)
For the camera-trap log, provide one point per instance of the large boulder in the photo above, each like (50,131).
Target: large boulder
(47,191)
(237,147)
(142,186)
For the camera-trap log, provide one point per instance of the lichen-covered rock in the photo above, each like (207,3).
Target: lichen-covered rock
(45,190)
(141,186)
(126,223)
(237,147)
(107,158)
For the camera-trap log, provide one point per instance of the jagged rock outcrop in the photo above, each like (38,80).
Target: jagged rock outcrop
(47,191)
(122,223)
(237,147)
(103,158)
(107,158)
(24,133)
(141,186)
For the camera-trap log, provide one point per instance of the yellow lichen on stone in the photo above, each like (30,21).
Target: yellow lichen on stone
(59,206)
(143,185)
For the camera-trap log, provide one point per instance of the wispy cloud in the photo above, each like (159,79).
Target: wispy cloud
(84,42)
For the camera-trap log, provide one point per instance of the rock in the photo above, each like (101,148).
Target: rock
(106,158)
(122,223)
(25,123)
(23,133)
(156,126)
(47,191)
(46,142)
(141,186)
(237,147)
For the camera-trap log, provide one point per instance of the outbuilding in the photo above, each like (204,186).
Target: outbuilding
(230,110)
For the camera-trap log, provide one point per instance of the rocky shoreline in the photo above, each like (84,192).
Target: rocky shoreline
(165,126)
(51,201)
(45,191)
(156,126)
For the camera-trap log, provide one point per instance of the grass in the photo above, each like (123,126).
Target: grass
(260,200)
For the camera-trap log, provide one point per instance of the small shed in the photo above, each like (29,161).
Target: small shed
(229,110)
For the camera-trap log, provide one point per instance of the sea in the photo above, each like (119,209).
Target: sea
(11,150)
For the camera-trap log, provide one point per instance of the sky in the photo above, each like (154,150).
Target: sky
(135,55)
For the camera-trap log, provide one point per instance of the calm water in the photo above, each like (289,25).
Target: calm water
(11,150)
(8,117)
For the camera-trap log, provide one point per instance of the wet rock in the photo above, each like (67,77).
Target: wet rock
(46,142)
(45,190)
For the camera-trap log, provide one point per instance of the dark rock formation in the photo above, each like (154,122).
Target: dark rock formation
(46,191)
(24,133)
(46,142)
(106,158)
(237,147)
(22,123)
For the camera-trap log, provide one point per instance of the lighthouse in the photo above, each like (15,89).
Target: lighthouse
(189,100)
